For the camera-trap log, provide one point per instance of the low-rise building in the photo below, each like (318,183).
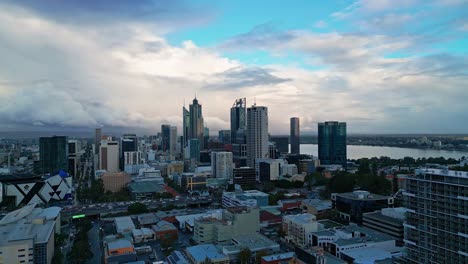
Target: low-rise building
(147,220)
(251,198)
(352,205)
(124,225)
(164,230)
(115,181)
(176,257)
(119,251)
(233,221)
(254,242)
(27,236)
(388,221)
(145,189)
(298,227)
(199,254)
(142,235)
(316,207)
(277,258)
(244,176)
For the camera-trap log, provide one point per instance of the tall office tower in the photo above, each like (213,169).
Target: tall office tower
(224,136)
(97,140)
(221,165)
(257,134)
(194,149)
(109,156)
(185,127)
(165,135)
(74,148)
(128,143)
(206,137)
(238,118)
(173,141)
(196,122)
(332,143)
(53,154)
(294,138)
(436,226)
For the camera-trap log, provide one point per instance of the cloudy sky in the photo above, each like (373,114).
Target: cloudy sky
(383,66)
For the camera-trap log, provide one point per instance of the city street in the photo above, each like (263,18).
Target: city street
(95,245)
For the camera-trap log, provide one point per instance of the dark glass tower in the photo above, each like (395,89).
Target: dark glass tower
(196,122)
(332,143)
(295,135)
(186,127)
(238,118)
(53,154)
(166,135)
(129,143)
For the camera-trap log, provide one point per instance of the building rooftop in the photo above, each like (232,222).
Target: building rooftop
(369,255)
(383,218)
(163,226)
(23,231)
(146,187)
(280,256)
(120,243)
(17,215)
(201,252)
(362,195)
(442,172)
(301,218)
(253,241)
(124,222)
(318,204)
(371,236)
(147,219)
(176,257)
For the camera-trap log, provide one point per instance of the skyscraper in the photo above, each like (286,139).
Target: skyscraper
(109,156)
(53,154)
(238,118)
(194,149)
(185,126)
(173,141)
(196,129)
(221,165)
(128,143)
(294,138)
(165,135)
(97,140)
(436,225)
(332,143)
(257,134)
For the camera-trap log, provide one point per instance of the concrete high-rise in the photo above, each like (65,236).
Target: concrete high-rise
(436,225)
(294,137)
(222,165)
(165,136)
(238,118)
(257,134)
(53,154)
(173,140)
(196,129)
(109,156)
(332,143)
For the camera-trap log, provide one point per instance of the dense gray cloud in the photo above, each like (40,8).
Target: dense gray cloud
(60,75)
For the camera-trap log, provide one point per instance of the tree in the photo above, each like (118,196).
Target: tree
(244,256)
(137,208)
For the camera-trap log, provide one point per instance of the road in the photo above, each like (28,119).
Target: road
(116,207)
(94,240)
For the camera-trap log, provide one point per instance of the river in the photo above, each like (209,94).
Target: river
(358,151)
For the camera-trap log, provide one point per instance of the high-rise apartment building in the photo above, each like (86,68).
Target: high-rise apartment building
(165,137)
(109,156)
(53,154)
(238,118)
(257,134)
(196,129)
(173,141)
(332,143)
(294,138)
(436,226)
(222,165)
(74,148)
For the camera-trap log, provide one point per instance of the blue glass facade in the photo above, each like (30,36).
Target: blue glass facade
(332,143)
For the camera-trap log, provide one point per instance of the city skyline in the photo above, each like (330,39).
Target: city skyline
(380,66)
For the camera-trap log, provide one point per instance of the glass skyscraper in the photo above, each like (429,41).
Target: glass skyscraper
(332,143)
(238,119)
(294,135)
(53,154)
